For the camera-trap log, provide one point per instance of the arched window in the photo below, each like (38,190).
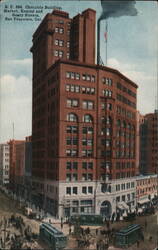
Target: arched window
(87,118)
(71,117)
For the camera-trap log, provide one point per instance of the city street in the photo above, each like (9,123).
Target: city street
(9,207)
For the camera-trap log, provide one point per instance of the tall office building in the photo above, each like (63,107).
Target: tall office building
(84,121)
(149,144)
(4,164)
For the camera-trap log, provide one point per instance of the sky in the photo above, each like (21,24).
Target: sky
(132,49)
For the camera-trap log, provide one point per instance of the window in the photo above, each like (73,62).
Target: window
(87,153)
(107,81)
(56,29)
(56,42)
(72,117)
(61,30)
(109,106)
(71,140)
(88,105)
(90,190)
(68,74)
(72,103)
(72,129)
(87,130)
(87,118)
(61,43)
(71,152)
(68,177)
(74,177)
(92,78)
(118,187)
(77,76)
(72,88)
(68,190)
(74,190)
(68,44)
(107,93)
(84,190)
(75,165)
(61,53)
(56,53)
(68,165)
(87,142)
(123,198)
(67,55)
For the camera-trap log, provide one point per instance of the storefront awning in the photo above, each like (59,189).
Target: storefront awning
(143,201)
(122,205)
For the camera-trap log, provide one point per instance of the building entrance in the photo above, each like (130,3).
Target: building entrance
(105,209)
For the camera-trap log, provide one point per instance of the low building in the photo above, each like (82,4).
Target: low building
(146,189)
(4,164)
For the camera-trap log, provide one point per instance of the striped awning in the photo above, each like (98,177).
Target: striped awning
(143,201)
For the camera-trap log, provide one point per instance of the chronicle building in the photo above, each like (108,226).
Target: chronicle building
(84,122)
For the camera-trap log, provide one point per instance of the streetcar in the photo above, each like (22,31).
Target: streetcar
(128,236)
(87,219)
(52,236)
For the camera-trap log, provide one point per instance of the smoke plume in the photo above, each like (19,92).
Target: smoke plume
(117,8)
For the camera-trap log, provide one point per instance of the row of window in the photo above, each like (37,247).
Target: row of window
(125,134)
(123,124)
(125,198)
(71,117)
(126,90)
(60,53)
(61,43)
(76,76)
(107,92)
(106,106)
(80,89)
(122,175)
(124,186)
(107,81)
(75,103)
(74,152)
(74,141)
(74,190)
(124,165)
(74,177)
(61,30)
(74,165)
(125,113)
(125,100)
(124,154)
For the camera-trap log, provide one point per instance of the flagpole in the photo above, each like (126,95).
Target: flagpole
(106,61)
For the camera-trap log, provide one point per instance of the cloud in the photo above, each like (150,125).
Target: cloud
(146,84)
(15,106)
(17,67)
(24,62)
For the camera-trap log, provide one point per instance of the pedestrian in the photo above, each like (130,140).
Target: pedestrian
(96,231)
(69,230)
(61,225)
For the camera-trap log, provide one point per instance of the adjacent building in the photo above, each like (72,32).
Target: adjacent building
(83,122)
(4,164)
(14,162)
(146,189)
(149,144)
